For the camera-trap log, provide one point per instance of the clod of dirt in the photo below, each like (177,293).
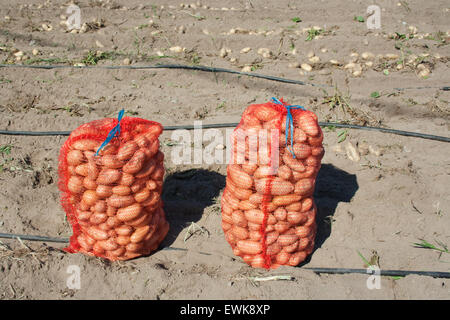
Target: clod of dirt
(375,151)
(21,102)
(363,148)
(337,149)
(314,59)
(325,72)
(265,52)
(161,266)
(42,178)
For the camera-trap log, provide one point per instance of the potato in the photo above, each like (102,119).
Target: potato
(112,161)
(302,150)
(296,218)
(124,230)
(86,144)
(249,246)
(135,163)
(121,190)
(239,232)
(130,212)
(140,234)
(75,184)
(75,157)
(127,150)
(108,176)
(147,169)
(89,184)
(142,195)
(307,124)
(97,234)
(287,239)
(82,169)
(275,186)
(240,177)
(126,179)
(285,200)
(98,218)
(239,193)
(254,216)
(238,218)
(120,201)
(246,205)
(90,197)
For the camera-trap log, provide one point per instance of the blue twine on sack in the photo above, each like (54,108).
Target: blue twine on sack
(289,123)
(115,132)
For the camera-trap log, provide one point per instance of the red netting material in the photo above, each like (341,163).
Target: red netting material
(268,210)
(113,200)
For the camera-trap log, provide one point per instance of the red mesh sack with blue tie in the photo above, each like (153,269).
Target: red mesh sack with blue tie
(110,177)
(268,210)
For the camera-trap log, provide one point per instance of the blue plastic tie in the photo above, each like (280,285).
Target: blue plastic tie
(115,132)
(289,123)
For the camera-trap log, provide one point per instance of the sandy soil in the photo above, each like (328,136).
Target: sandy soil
(378,206)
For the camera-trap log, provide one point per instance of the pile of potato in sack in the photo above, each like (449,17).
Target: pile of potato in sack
(110,176)
(268,210)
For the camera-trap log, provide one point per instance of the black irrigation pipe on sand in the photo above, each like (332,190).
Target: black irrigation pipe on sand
(63,240)
(32,238)
(392,273)
(171,66)
(234,124)
(386,130)
(198,68)
(221,125)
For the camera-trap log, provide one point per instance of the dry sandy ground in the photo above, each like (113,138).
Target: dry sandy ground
(378,206)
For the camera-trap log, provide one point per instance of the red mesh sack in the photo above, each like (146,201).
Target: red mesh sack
(112,197)
(268,210)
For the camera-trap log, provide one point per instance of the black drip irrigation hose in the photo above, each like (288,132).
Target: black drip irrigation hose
(64,240)
(386,130)
(32,238)
(198,68)
(446,88)
(392,273)
(234,124)
(171,66)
